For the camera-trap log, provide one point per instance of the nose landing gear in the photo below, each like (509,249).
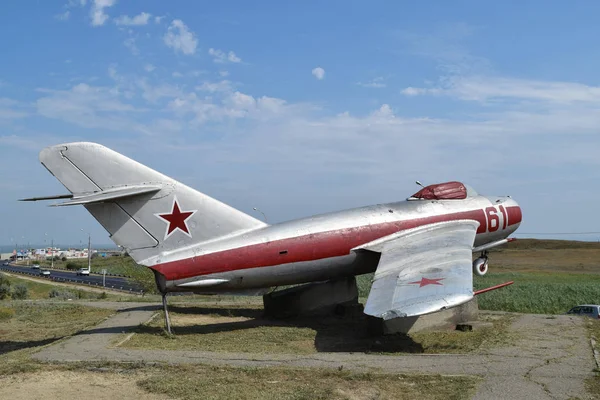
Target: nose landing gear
(480,265)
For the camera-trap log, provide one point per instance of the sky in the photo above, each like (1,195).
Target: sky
(298,108)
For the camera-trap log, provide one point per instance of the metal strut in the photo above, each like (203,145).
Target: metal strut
(167,320)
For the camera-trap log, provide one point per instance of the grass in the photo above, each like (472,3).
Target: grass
(32,325)
(192,382)
(538,292)
(40,290)
(269,383)
(244,329)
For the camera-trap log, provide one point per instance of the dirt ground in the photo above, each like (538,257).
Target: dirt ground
(67,385)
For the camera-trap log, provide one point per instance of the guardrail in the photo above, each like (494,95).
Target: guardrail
(60,279)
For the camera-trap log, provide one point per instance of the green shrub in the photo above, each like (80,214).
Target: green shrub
(72,265)
(4,280)
(62,295)
(6,313)
(103,295)
(4,291)
(20,292)
(63,259)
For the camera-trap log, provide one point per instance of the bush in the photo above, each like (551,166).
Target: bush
(62,295)
(6,313)
(4,280)
(72,265)
(103,295)
(63,259)
(20,292)
(4,291)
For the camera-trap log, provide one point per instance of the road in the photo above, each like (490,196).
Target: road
(68,276)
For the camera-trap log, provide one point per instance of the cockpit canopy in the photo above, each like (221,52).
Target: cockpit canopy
(444,191)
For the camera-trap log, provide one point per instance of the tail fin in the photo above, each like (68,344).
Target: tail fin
(144,211)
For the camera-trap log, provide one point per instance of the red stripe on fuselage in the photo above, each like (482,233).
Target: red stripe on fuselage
(514,215)
(315,246)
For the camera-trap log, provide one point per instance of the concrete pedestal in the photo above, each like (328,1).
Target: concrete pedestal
(314,298)
(447,319)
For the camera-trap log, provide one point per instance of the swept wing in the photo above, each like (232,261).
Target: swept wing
(422,270)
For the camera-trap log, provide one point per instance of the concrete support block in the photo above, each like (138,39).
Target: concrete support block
(314,298)
(447,319)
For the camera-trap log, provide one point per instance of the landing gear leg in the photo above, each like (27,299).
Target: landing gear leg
(167,320)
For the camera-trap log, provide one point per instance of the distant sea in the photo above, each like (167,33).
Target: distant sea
(9,248)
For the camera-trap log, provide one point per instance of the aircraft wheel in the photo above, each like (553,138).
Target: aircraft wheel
(480,266)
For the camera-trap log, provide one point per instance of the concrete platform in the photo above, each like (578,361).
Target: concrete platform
(447,319)
(336,296)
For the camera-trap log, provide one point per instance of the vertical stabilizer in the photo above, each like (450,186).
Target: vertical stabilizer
(167,216)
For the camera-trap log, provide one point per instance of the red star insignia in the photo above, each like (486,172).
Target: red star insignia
(177,219)
(426,281)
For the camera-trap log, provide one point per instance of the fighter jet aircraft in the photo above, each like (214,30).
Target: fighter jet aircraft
(420,249)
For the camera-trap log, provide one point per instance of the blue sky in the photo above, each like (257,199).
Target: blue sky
(306,107)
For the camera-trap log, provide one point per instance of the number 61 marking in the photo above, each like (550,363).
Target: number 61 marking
(493,218)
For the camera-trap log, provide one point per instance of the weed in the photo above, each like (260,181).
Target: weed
(190,382)
(4,291)
(6,313)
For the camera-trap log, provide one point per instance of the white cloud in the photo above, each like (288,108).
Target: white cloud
(374,83)
(149,67)
(99,17)
(75,3)
(11,109)
(223,73)
(88,106)
(412,91)
(319,73)
(158,19)
(140,19)
(180,38)
(153,93)
(490,88)
(64,16)
(222,86)
(220,56)
(130,44)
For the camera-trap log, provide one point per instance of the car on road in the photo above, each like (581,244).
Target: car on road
(5,263)
(35,266)
(44,272)
(586,310)
(83,271)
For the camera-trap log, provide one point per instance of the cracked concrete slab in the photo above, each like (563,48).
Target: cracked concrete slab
(550,359)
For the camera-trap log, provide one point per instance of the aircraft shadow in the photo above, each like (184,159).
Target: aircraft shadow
(6,346)
(333,333)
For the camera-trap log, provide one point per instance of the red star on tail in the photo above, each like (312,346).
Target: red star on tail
(426,281)
(176,219)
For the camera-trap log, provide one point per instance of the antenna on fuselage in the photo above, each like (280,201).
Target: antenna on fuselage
(256,209)
(419,183)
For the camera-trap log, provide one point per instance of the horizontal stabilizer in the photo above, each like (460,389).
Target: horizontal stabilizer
(108,195)
(100,196)
(56,197)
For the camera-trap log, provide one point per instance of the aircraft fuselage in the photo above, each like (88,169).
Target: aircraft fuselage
(320,247)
